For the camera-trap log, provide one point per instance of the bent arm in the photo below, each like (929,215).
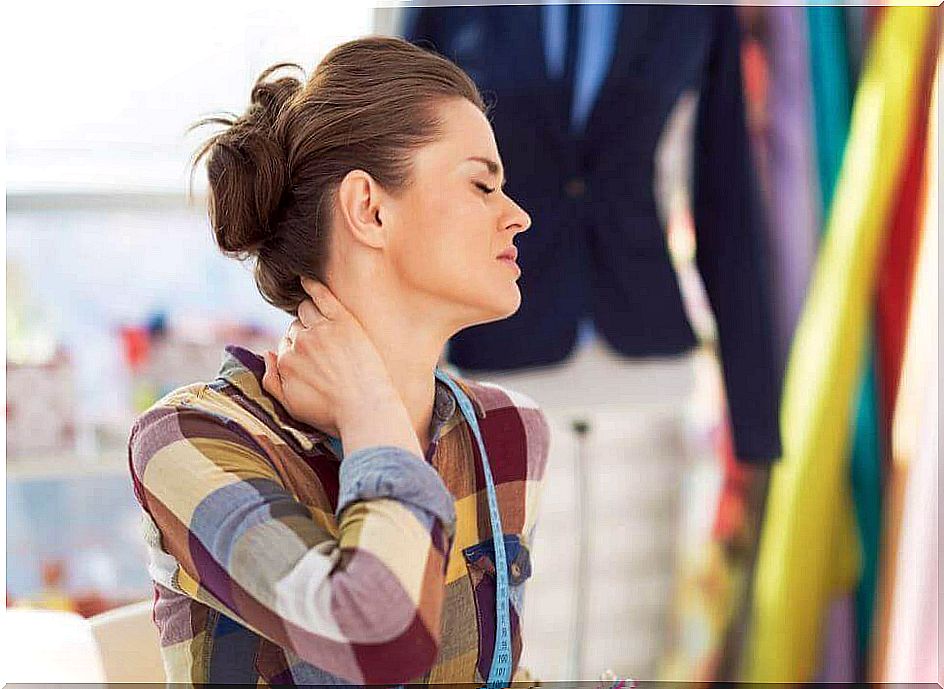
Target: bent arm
(363,604)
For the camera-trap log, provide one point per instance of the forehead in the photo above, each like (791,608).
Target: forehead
(465,132)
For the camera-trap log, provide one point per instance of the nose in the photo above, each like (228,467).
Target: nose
(517,218)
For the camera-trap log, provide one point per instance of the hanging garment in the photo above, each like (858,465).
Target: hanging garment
(867,463)
(596,227)
(857,38)
(896,272)
(832,97)
(807,550)
(870,439)
(795,215)
(836,58)
(894,289)
(865,476)
(904,649)
(778,93)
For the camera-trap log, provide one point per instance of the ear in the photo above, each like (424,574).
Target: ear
(359,199)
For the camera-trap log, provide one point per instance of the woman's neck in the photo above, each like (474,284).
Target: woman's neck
(408,340)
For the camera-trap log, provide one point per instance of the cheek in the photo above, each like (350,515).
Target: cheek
(464,243)
(425,243)
(445,244)
(445,255)
(451,235)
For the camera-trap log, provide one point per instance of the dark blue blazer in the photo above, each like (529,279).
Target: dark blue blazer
(597,245)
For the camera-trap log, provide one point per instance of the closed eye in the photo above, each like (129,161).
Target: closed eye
(484,188)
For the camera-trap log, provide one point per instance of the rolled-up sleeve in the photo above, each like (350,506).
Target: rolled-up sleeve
(388,471)
(362,601)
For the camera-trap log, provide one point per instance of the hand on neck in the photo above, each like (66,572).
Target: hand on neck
(408,338)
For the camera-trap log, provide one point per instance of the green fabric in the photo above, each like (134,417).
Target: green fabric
(866,468)
(832,93)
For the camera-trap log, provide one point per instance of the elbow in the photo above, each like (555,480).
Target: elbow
(402,659)
(397,639)
(398,636)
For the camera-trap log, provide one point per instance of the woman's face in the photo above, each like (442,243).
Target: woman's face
(451,224)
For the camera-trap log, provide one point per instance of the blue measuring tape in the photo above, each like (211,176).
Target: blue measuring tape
(500,673)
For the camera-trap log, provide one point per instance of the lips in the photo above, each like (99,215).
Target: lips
(511,253)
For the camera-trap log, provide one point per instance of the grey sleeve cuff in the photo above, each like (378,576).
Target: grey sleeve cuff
(388,471)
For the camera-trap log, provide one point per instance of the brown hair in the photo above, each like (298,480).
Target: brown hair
(368,105)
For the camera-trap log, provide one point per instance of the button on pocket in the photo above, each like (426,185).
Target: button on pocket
(480,560)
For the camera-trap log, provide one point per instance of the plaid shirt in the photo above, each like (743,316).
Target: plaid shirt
(274,562)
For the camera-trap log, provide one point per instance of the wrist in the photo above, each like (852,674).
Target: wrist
(380,401)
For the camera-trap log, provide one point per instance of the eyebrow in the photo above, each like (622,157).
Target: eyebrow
(492,166)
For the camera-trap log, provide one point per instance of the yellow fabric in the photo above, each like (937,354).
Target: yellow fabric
(808,550)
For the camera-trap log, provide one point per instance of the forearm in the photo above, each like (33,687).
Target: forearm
(377,419)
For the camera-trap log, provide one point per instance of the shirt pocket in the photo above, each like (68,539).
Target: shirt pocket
(480,561)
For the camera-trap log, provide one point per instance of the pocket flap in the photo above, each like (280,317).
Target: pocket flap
(518,558)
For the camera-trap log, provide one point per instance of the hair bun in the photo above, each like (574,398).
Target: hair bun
(247,169)
(269,97)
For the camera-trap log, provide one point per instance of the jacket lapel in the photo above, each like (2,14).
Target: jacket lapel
(639,28)
(552,107)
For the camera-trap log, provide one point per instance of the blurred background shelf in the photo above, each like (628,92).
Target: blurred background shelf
(63,465)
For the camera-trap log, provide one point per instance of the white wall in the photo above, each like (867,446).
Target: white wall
(103,92)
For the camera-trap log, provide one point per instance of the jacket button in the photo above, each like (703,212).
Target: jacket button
(515,569)
(575,187)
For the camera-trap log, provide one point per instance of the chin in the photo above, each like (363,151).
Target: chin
(494,306)
(507,302)
(517,303)
(494,300)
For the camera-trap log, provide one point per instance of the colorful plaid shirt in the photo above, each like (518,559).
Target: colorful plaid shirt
(275,563)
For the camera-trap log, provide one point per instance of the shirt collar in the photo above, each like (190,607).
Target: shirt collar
(244,369)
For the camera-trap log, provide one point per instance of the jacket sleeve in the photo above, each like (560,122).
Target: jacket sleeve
(731,250)
(363,603)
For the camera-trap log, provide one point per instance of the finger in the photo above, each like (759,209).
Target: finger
(271,382)
(309,314)
(309,285)
(324,298)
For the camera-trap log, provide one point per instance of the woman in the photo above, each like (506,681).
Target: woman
(324,514)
